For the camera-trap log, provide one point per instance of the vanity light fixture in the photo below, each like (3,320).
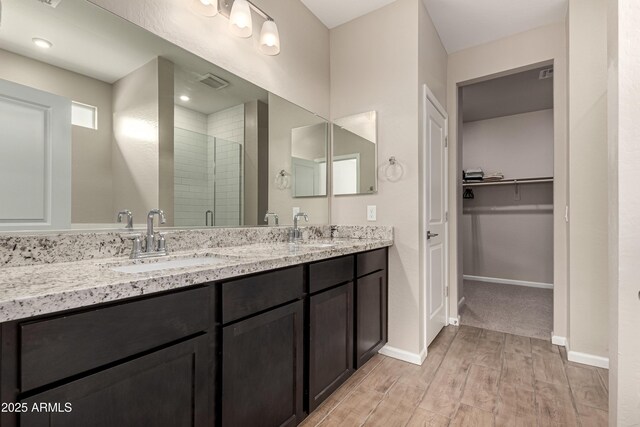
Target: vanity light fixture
(42,43)
(269,38)
(240,21)
(204,7)
(185,98)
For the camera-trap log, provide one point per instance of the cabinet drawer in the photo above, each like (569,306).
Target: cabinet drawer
(325,274)
(371,261)
(167,387)
(244,297)
(61,347)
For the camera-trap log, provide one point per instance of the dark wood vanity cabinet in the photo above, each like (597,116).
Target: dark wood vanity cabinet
(330,342)
(262,369)
(141,362)
(262,361)
(371,304)
(260,350)
(330,327)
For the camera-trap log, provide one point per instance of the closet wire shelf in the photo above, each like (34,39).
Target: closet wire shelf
(507,182)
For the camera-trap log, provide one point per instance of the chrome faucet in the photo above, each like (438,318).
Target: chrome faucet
(129,215)
(294,233)
(274,215)
(160,249)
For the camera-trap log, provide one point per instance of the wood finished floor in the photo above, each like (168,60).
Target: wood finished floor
(472,377)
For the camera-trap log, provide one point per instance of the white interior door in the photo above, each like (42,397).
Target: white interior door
(35,159)
(435,228)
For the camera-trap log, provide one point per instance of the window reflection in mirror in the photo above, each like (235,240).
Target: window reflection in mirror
(355,154)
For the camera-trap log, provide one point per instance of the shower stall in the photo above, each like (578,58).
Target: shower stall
(208,180)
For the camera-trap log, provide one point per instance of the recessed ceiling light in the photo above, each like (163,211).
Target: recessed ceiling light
(42,43)
(184,98)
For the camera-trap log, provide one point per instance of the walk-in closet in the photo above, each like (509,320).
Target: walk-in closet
(507,203)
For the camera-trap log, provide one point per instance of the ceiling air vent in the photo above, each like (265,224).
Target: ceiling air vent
(213,81)
(547,73)
(52,3)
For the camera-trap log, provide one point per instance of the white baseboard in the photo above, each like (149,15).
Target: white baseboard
(509,281)
(405,356)
(461,303)
(588,359)
(455,321)
(561,341)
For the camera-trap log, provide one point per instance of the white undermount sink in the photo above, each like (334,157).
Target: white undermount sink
(167,265)
(317,245)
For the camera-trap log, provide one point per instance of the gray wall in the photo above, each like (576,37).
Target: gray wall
(142,151)
(92,189)
(505,238)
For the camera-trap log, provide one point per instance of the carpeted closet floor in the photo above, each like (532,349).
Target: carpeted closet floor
(517,310)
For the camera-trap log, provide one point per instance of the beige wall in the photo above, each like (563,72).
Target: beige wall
(166,109)
(624,214)
(388,79)
(588,324)
(300,73)
(92,191)
(256,162)
(136,145)
(284,116)
(537,46)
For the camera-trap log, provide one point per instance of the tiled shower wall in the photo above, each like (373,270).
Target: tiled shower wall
(192,192)
(198,185)
(227,127)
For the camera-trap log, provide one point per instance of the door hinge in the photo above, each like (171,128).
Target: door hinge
(446,141)
(446,216)
(447,291)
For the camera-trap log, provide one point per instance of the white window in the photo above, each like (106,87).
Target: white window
(84,115)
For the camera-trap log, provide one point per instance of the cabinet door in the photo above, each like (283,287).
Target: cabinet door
(262,369)
(330,342)
(165,388)
(371,315)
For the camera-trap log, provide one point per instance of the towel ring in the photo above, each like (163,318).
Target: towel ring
(393,170)
(282,180)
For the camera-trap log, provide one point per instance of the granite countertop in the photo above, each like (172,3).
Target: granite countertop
(34,290)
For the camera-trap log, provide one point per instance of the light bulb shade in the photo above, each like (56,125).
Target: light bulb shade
(269,38)
(204,7)
(240,19)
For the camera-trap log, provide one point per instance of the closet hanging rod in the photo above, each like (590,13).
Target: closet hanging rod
(508,182)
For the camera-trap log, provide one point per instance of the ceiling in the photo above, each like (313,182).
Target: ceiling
(465,23)
(336,12)
(518,93)
(460,23)
(90,41)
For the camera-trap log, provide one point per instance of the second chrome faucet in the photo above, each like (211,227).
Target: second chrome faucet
(294,234)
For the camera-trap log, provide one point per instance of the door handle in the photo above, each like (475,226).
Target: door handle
(430,235)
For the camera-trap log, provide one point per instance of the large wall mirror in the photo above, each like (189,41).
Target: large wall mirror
(355,157)
(100,116)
